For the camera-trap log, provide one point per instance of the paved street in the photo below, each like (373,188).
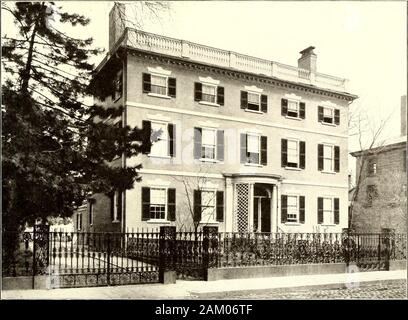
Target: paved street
(395,289)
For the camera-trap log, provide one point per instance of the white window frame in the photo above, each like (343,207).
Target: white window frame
(259,102)
(115,206)
(332,159)
(297,109)
(203,158)
(166,132)
(328,223)
(79,225)
(91,212)
(214,218)
(296,219)
(333,112)
(298,153)
(259,148)
(166,78)
(165,204)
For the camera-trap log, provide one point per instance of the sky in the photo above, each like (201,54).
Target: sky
(364,42)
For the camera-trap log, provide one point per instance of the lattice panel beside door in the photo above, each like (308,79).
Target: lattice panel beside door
(242,207)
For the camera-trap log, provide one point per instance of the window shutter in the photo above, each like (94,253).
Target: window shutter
(320,157)
(319,210)
(284,152)
(220,145)
(172,87)
(284,208)
(284,107)
(337,159)
(336,211)
(244,99)
(146,83)
(197,205)
(112,203)
(171,128)
(302,155)
(264,150)
(146,138)
(337,116)
(302,209)
(243,149)
(145,203)
(171,204)
(320,113)
(90,212)
(302,110)
(220,96)
(264,103)
(220,206)
(198,88)
(119,205)
(197,143)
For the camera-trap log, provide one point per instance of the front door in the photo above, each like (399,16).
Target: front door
(262,209)
(265,215)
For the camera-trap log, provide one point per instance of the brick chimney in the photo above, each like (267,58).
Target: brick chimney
(116,23)
(403,115)
(308,59)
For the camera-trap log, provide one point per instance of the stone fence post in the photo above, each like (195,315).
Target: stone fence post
(210,249)
(167,244)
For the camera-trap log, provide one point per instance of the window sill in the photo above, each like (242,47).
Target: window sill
(158,95)
(328,124)
(158,221)
(209,222)
(328,225)
(294,118)
(328,172)
(115,221)
(253,165)
(293,224)
(253,111)
(209,160)
(293,168)
(207,103)
(158,156)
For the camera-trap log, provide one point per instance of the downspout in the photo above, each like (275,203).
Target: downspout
(124,123)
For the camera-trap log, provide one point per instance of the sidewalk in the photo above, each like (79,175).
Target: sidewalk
(204,290)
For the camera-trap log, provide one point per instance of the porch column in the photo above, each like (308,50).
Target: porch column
(251,208)
(274,205)
(229,205)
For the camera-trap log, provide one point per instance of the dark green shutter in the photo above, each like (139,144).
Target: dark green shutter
(244,99)
(172,87)
(220,96)
(220,145)
(145,203)
(171,204)
(171,128)
(284,107)
(319,210)
(264,150)
(198,88)
(146,83)
(243,148)
(302,110)
(337,159)
(284,152)
(320,157)
(284,208)
(320,113)
(301,209)
(302,155)
(336,211)
(197,143)
(337,116)
(146,136)
(197,205)
(220,206)
(264,103)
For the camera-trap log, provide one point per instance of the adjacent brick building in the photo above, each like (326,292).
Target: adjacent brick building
(246,144)
(381,199)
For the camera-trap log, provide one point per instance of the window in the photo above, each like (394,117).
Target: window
(116,206)
(293,209)
(117,87)
(208,147)
(209,94)
(157,203)
(79,221)
(160,134)
(328,210)
(372,194)
(159,85)
(208,201)
(293,153)
(253,148)
(328,158)
(372,167)
(91,211)
(329,115)
(293,109)
(253,101)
